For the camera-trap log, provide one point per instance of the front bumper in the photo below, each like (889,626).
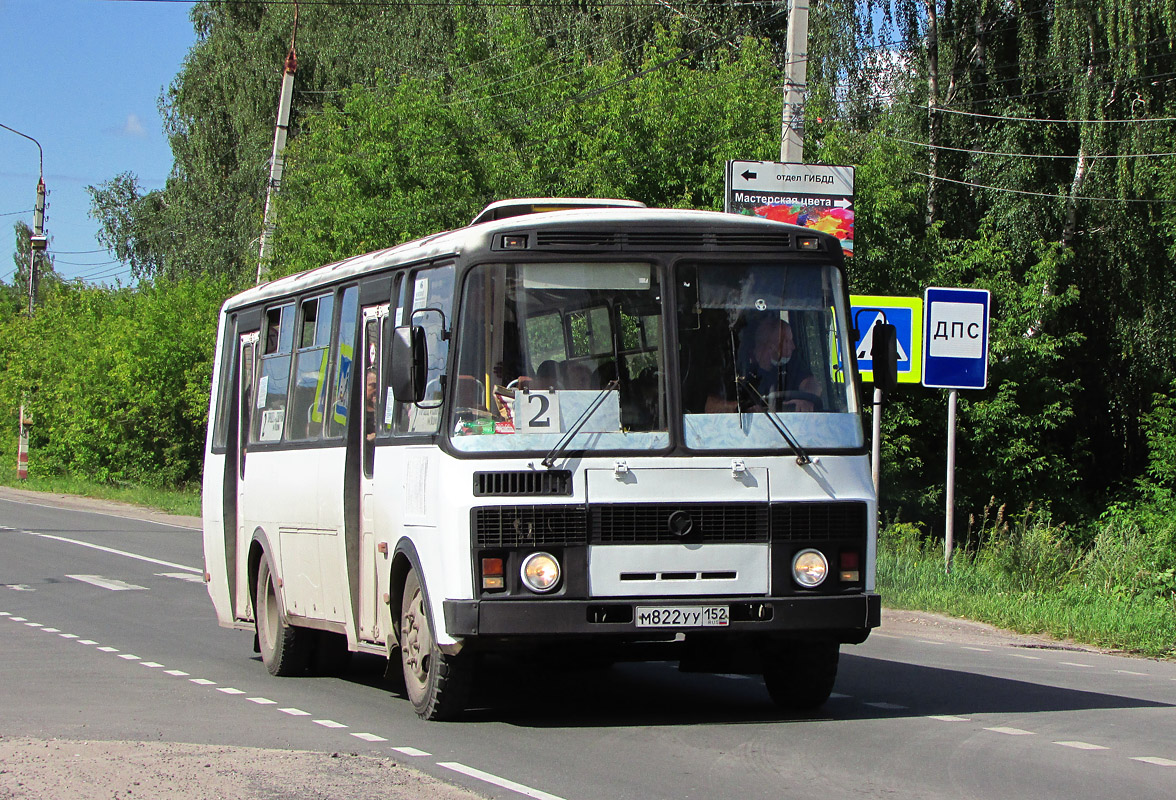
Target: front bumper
(848,618)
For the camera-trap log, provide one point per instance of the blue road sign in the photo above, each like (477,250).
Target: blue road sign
(955,338)
(906,315)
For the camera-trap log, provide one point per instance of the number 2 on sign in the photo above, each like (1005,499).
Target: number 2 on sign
(537,412)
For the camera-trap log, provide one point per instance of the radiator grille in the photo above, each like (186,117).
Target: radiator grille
(546,238)
(665,240)
(774,241)
(818,522)
(526,526)
(651,523)
(522,483)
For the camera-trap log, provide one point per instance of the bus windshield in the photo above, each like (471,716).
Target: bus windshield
(764,357)
(544,349)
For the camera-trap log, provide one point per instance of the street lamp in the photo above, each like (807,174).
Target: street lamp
(38,241)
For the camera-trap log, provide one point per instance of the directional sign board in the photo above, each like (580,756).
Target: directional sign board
(906,315)
(955,335)
(813,195)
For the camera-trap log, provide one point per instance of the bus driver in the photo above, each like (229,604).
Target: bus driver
(785,383)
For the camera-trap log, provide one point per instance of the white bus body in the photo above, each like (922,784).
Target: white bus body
(545,432)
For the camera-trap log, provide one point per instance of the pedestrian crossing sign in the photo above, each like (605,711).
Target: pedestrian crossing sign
(906,315)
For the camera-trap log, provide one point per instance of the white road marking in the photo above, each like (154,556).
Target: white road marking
(181,576)
(108,583)
(1022,655)
(838,696)
(295,712)
(51,630)
(928,641)
(135,556)
(411,751)
(261,701)
(99,513)
(19,619)
(948,718)
(86,641)
(369,737)
(21,587)
(497,781)
(68,635)
(329,723)
(108,649)
(887,706)
(179,673)
(1130,672)
(230,690)
(5,614)
(1075,664)
(1159,762)
(1010,731)
(202,681)
(1081,745)
(151,664)
(34,625)
(877,635)
(129,657)
(977,649)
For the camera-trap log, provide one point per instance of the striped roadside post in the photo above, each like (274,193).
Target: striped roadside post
(22,450)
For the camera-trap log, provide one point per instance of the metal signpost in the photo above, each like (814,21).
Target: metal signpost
(955,335)
(906,315)
(815,196)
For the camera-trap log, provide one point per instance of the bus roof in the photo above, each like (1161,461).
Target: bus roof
(503,209)
(453,243)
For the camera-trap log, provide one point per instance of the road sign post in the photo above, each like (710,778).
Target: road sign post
(906,315)
(955,335)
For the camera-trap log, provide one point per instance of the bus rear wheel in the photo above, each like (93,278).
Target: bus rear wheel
(285,649)
(437,684)
(801,678)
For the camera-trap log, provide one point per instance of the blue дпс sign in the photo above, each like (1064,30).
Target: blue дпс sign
(955,338)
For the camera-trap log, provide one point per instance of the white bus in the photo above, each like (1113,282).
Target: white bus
(621,431)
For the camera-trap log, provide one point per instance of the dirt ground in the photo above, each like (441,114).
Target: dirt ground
(60,769)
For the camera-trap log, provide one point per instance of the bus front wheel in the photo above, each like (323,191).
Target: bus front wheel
(801,678)
(285,649)
(437,684)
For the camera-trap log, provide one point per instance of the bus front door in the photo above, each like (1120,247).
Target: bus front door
(242,599)
(373,565)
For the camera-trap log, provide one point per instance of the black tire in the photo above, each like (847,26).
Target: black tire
(802,678)
(437,685)
(285,648)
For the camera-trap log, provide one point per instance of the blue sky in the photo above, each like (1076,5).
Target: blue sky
(82,77)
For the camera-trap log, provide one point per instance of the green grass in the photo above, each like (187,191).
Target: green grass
(1032,581)
(171,501)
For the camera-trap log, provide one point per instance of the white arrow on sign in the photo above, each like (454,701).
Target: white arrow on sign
(866,348)
(841,202)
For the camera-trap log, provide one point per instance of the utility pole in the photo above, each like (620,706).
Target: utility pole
(37,243)
(277,161)
(795,84)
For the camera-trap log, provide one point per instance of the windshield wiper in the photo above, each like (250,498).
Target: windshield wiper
(802,457)
(549,459)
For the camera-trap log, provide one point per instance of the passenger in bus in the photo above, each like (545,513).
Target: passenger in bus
(785,382)
(546,377)
(371,394)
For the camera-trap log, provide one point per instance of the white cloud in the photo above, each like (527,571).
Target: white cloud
(133,127)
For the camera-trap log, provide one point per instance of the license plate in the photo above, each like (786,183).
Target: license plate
(683,616)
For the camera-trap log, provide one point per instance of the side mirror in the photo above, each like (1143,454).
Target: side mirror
(408,370)
(885,357)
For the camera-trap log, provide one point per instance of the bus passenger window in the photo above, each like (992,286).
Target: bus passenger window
(340,392)
(269,405)
(308,403)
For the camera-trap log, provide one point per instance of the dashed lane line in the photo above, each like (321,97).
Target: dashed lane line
(1011,731)
(1159,762)
(112,584)
(948,718)
(369,737)
(116,552)
(262,701)
(412,752)
(295,712)
(1082,745)
(1076,664)
(329,723)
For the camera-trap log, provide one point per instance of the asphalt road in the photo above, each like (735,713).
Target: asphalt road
(107,633)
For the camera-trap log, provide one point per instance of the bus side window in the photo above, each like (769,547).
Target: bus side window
(269,404)
(340,392)
(308,402)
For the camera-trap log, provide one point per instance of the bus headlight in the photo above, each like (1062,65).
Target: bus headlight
(540,572)
(809,568)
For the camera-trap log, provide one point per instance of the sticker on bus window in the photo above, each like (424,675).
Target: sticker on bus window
(420,296)
(262,391)
(271,424)
(536,412)
(389,407)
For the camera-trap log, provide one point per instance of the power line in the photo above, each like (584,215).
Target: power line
(16,213)
(1040,119)
(1043,194)
(1014,155)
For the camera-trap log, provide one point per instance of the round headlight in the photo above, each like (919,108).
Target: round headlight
(540,572)
(809,568)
